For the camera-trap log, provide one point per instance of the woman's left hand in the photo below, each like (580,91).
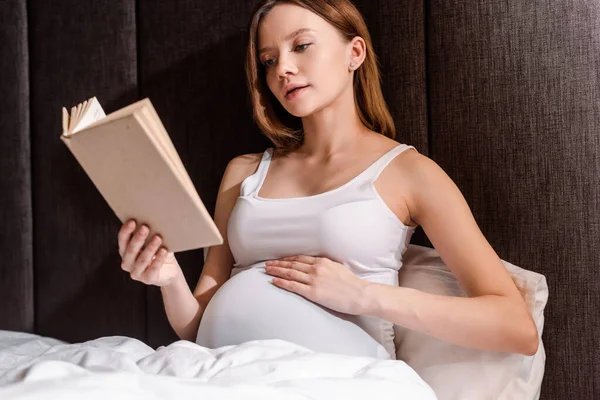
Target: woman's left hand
(320,280)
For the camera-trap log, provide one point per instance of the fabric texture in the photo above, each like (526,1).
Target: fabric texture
(460,373)
(514,101)
(350,224)
(16,229)
(34,367)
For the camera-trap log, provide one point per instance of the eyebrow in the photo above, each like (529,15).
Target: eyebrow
(288,37)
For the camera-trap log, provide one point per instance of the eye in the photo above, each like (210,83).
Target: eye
(302,47)
(268,63)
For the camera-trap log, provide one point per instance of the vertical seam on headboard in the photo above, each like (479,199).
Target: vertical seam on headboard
(137,50)
(427,81)
(31,185)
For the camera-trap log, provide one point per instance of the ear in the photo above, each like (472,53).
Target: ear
(357,53)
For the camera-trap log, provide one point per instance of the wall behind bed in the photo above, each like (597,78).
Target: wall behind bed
(503,96)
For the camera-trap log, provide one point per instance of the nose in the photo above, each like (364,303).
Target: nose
(286,66)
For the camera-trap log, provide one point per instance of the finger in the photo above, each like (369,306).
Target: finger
(124,235)
(300,258)
(290,274)
(152,274)
(133,247)
(145,258)
(292,286)
(297,265)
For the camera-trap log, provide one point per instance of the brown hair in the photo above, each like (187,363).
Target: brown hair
(284,129)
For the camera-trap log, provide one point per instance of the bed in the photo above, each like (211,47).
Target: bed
(35,367)
(504,96)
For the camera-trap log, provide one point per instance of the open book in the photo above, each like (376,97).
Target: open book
(131,160)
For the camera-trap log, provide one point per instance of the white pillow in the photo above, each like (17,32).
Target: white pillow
(456,372)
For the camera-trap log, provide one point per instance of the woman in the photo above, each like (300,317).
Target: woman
(328,212)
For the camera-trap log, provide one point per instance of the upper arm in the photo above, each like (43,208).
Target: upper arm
(219,260)
(437,204)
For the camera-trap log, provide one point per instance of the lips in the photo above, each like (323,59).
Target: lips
(290,92)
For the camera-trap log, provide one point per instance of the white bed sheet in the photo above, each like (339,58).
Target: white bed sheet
(35,367)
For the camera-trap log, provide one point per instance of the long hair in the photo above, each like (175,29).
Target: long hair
(284,129)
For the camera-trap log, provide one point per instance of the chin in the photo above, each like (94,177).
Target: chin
(301,110)
(305,108)
(302,113)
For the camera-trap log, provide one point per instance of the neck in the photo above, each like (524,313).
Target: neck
(333,129)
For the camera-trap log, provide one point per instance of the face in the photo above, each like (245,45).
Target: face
(300,49)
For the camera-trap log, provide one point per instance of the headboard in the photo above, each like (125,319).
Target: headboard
(503,95)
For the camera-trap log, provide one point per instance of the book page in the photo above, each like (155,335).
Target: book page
(65,121)
(120,113)
(91,112)
(75,118)
(72,118)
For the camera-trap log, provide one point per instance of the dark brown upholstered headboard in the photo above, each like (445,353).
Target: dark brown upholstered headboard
(505,96)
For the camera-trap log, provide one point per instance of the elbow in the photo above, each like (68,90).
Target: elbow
(534,344)
(189,334)
(530,339)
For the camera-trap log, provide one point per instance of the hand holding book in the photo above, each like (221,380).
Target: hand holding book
(128,154)
(151,265)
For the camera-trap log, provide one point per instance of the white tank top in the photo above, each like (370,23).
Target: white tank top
(351,225)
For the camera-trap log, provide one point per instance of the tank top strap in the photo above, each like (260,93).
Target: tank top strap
(253,182)
(263,167)
(373,172)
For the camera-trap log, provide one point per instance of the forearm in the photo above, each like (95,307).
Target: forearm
(183,310)
(485,322)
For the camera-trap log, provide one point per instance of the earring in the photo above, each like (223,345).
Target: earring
(352,65)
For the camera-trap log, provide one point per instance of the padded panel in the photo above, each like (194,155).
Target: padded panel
(514,119)
(397,31)
(16,267)
(79,51)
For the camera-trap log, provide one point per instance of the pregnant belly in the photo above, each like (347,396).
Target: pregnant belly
(249,307)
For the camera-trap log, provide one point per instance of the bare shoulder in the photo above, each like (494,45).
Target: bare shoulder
(241,167)
(250,159)
(407,180)
(245,162)
(412,163)
(418,171)
(425,183)
(421,171)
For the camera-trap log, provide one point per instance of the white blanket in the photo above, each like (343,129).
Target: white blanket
(35,367)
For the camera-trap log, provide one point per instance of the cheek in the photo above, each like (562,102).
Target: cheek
(327,69)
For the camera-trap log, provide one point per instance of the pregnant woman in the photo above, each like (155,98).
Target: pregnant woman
(315,227)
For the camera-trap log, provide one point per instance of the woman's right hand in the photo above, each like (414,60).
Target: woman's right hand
(152,265)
